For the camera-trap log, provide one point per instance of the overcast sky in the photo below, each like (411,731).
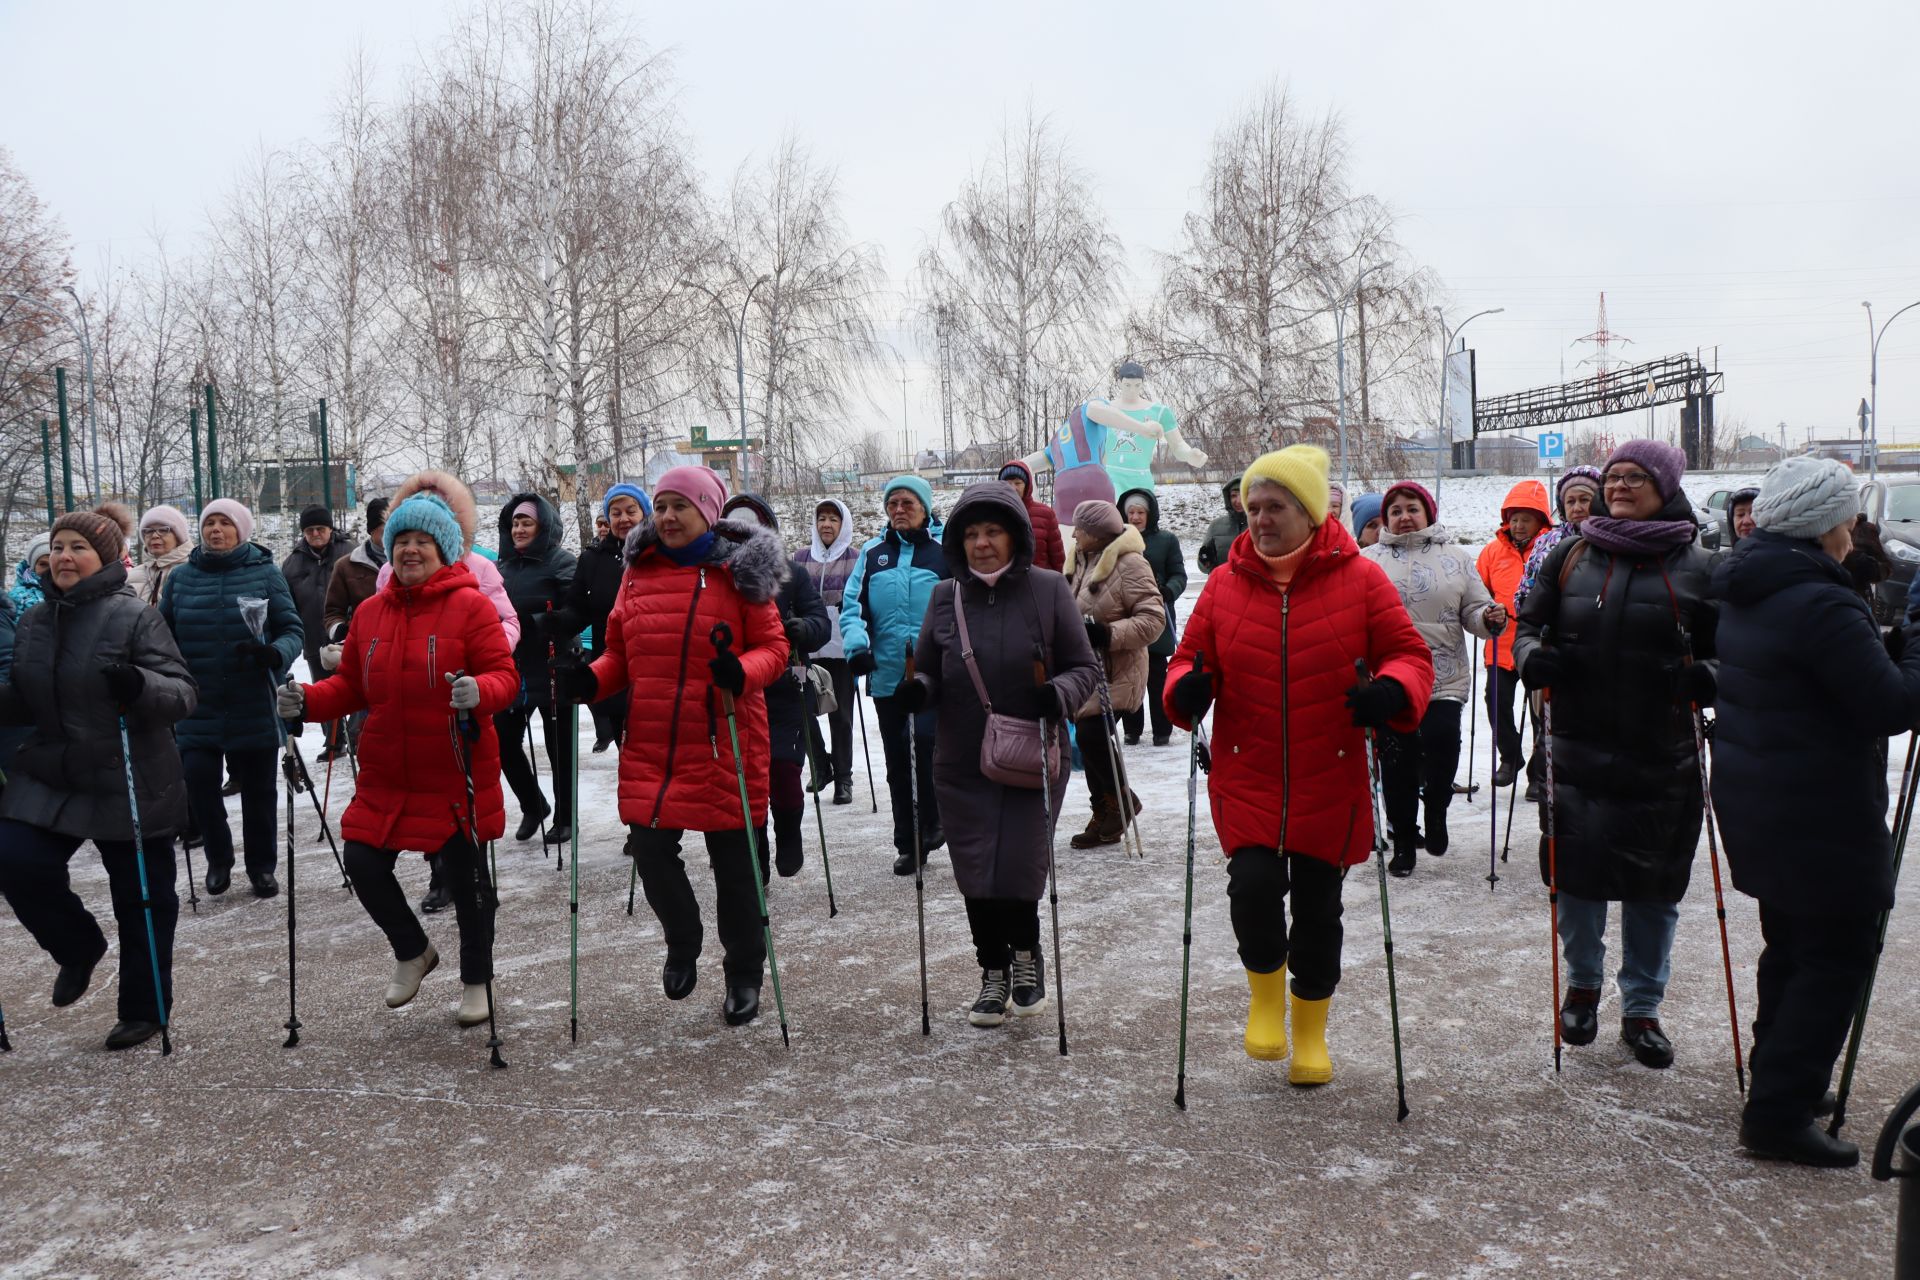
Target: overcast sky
(1738,176)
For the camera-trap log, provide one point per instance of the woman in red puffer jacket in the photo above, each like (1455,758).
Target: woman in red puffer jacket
(688,573)
(1274,639)
(1049,551)
(423,652)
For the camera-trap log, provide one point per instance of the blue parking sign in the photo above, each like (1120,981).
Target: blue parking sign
(1553,446)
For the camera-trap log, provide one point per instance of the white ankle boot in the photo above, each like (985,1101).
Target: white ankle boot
(407,976)
(473,1005)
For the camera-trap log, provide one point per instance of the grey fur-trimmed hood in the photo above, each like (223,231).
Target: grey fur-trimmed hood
(752,554)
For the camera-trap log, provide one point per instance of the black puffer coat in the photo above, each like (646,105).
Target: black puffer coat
(1807,700)
(595,585)
(308,572)
(1626,778)
(69,775)
(1169,565)
(537,579)
(798,600)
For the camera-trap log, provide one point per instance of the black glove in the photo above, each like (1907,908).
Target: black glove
(1099,634)
(1546,668)
(1896,642)
(913,696)
(257,653)
(1376,701)
(795,629)
(1193,693)
(1698,684)
(124,682)
(573,678)
(553,625)
(1032,702)
(338,635)
(861,664)
(728,674)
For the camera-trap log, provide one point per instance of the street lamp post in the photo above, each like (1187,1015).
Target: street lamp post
(86,349)
(1340,302)
(739,342)
(1441,440)
(1873,381)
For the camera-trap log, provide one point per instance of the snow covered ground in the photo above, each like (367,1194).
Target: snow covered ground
(665,1143)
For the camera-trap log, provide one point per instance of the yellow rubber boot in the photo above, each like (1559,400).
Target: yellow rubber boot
(1311,1062)
(1267,1015)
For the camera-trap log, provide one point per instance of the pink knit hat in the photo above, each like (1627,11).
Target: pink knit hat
(701,486)
(241,517)
(1420,494)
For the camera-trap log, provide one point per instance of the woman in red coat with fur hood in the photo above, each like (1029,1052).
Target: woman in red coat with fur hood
(421,654)
(689,573)
(1274,640)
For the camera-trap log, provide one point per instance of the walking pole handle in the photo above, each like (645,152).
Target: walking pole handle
(721,638)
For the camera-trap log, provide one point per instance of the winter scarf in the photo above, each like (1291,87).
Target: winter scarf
(1641,537)
(694,552)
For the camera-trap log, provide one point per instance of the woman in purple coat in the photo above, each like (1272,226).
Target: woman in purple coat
(999,835)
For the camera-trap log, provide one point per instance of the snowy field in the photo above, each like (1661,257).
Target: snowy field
(665,1143)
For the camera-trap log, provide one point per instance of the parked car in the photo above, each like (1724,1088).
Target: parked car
(1893,503)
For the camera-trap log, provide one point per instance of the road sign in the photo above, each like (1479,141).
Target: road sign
(1553,446)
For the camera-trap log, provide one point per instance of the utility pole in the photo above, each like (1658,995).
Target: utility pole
(66,446)
(326,467)
(1366,413)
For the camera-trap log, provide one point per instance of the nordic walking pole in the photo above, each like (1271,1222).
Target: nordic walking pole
(1473,717)
(1493,773)
(1386,919)
(193,893)
(1046,816)
(1904,813)
(6,1045)
(533,764)
(292,1023)
(860,714)
(813,778)
(1719,901)
(1129,825)
(146,896)
(465,732)
(633,879)
(294,766)
(573,890)
(573,752)
(1186,917)
(1553,866)
(919,858)
(721,637)
(1526,707)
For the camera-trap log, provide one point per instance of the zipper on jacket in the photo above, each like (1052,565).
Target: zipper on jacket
(433,664)
(366,664)
(1286,761)
(679,692)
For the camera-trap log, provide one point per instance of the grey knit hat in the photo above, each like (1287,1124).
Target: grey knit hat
(1804,497)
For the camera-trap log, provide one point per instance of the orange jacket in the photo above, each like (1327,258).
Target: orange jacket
(1501,564)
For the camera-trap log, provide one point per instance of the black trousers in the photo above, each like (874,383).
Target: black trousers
(1135,720)
(517,769)
(1259,882)
(33,878)
(1811,975)
(664,878)
(1002,926)
(893,734)
(1501,684)
(840,720)
(610,718)
(460,864)
(1096,756)
(1422,762)
(256,771)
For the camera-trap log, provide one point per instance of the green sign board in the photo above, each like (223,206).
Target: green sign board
(700,440)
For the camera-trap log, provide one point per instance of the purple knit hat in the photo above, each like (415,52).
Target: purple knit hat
(1418,491)
(1589,476)
(1663,462)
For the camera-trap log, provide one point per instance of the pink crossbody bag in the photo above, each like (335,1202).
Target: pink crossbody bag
(1010,749)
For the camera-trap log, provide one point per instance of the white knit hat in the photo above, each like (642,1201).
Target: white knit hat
(1803,497)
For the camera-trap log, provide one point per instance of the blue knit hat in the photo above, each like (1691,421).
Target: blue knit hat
(432,517)
(625,490)
(1365,509)
(916,486)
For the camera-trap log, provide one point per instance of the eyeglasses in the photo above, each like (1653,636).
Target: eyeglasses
(1627,479)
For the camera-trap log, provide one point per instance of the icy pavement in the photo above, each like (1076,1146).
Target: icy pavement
(665,1143)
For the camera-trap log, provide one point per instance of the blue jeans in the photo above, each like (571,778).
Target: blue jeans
(1646,949)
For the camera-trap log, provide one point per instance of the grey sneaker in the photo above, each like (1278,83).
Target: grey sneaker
(990,1010)
(1029,982)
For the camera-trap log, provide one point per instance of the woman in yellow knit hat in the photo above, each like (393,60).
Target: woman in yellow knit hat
(1271,647)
